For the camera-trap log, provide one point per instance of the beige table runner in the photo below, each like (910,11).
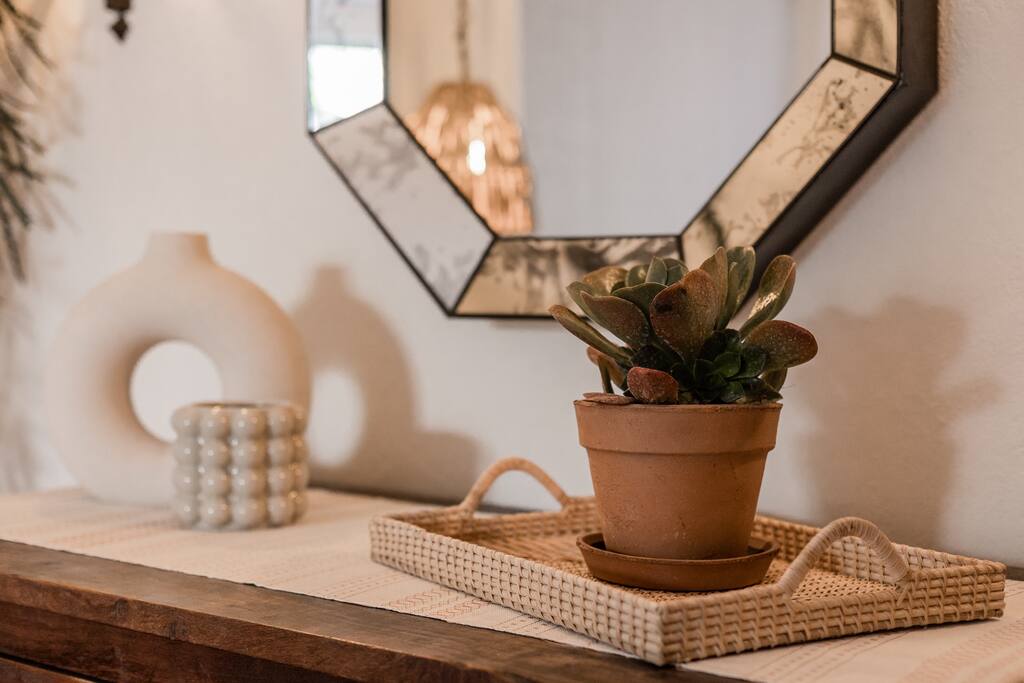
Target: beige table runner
(327,556)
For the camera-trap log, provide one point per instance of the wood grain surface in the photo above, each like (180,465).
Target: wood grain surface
(117,621)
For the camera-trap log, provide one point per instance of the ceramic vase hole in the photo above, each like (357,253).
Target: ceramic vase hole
(168,376)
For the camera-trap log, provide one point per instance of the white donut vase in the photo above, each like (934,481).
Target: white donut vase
(176,292)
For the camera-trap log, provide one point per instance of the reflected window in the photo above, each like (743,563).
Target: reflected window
(345,59)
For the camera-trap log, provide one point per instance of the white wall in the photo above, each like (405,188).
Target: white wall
(909,416)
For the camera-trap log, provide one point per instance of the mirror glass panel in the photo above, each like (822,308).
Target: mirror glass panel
(596,117)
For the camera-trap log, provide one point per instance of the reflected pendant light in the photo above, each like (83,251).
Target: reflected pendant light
(478,144)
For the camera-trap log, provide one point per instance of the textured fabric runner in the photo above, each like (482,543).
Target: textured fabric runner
(327,555)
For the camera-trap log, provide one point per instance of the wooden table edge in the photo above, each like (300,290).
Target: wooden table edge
(318,635)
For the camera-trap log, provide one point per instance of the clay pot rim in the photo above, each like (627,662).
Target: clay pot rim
(684,407)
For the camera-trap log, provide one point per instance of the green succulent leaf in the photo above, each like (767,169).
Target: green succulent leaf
(728,308)
(602,281)
(720,342)
(704,370)
(607,366)
(709,390)
(575,290)
(741,274)
(583,331)
(684,315)
(636,275)
(758,390)
(657,271)
(753,362)
(775,379)
(652,386)
(732,392)
(683,374)
(772,293)
(728,364)
(650,356)
(785,344)
(620,317)
(676,270)
(640,295)
(717,266)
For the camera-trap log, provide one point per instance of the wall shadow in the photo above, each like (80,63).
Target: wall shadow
(394,454)
(885,414)
(17,453)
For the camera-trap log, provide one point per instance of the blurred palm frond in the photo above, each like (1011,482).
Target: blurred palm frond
(20,150)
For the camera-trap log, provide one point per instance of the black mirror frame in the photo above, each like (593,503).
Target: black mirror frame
(487,261)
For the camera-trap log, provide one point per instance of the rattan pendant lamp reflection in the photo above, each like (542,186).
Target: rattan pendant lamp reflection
(478,144)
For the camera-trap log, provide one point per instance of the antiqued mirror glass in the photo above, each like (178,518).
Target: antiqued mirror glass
(507,146)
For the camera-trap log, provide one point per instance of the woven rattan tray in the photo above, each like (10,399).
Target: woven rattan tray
(844,579)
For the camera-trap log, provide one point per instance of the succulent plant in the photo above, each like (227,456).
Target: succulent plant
(672,322)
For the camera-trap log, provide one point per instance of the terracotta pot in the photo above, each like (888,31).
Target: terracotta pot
(677,481)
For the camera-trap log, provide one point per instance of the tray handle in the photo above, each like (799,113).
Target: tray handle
(841,528)
(472,500)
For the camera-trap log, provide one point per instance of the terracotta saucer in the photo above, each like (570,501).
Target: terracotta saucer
(678,575)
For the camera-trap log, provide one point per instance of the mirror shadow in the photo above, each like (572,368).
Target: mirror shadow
(394,454)
(885,416)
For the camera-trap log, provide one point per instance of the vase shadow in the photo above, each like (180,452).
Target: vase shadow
(17,383)
(394,454)
(884,416)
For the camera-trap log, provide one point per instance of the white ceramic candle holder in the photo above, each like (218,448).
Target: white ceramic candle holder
(176,292)
(240,465)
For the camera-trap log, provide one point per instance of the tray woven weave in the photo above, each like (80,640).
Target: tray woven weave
(843,579)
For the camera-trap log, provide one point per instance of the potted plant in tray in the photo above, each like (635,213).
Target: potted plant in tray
(677,458)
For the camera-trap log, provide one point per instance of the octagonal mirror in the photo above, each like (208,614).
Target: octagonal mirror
(505,147)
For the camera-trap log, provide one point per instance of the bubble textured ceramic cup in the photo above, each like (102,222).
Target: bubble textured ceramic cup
(240,465)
